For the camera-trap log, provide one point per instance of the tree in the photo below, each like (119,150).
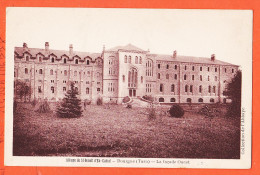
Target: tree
(22,89)
(70,106)
(234,93)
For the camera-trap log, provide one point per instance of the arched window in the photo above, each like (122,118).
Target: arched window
(225,69)
(75,73)
(167,76)
(27,58)
(123,78)
(175,76)
(64,60)
(193,68)
(51,72)
(87,90)
(175,67)
(172,100)
(40,59)
(232,70)
(125,59)
(208,69)
(76,61)
(172,88)
(208,78)
(209,89)
(87,62)
(167,66)
(26,71)
(188,100)
(200,68)
(129,59)
(216,69)
(76,89)
(200,100)
(200,88)
(161,99)
(142,79)
(216,78)
(136,60)
(140,60)
(52,59)
(193,77)
(158,75)
(65,72)
(40,71)
(200,77)
(185,67)
(186,88)
(185,77)
(161,87)
(212,100)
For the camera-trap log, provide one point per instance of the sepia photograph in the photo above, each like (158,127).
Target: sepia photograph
(129,87)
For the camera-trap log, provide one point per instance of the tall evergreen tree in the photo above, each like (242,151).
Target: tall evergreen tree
(70,106)
(234,93)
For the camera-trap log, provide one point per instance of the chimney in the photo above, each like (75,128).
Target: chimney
(25,48)
(71,49)
(46,46)
(174,54)
(213,57)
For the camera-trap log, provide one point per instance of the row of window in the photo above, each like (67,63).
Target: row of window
(65,89)
(185,77)
(26,71)
(188,100)
(138,60)
(193,68)
(189,88)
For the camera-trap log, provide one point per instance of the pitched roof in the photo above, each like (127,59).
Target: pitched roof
(58,53)
(187,59)
(128,47)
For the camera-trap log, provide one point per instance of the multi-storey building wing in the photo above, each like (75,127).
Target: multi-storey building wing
(122,71)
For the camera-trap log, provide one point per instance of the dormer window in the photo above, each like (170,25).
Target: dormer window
(87,62)
(27,58)
(64,60)
(76,61)
(52,59)
(40,59)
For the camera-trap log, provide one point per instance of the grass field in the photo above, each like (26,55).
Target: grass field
(122,132)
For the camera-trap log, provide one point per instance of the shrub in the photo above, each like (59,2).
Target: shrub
(44,107)
(99,101)
(209,111)
(151,112)
(129,106)
(149,98)
(176,111)
(34,102)
(126,99)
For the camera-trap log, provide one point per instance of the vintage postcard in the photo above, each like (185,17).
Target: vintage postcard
(158,88)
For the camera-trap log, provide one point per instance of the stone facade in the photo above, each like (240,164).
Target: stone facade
(122,71)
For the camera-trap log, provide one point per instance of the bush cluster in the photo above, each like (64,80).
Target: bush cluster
(176,111)
(44,107)
(209,111)
(126,99)
(148,97)
(99,101)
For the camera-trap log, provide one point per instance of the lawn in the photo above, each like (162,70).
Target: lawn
(122,132)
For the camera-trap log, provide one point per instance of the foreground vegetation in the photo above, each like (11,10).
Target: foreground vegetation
(120,132)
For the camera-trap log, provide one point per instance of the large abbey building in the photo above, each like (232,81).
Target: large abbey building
(122,71)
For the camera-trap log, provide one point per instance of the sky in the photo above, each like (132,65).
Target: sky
(225,33)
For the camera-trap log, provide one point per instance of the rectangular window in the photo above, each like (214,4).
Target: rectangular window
(64,89)
(159,66)
(200,68)
(39,89)
(193,68)
(98,89)
(191,88)
(192,77)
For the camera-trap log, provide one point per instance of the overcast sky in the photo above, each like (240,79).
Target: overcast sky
(226,33)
